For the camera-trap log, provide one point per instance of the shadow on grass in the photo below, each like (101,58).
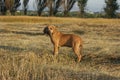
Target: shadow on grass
(63,74)
(21,32)
(11,48)
(102,59)
(28,33)
(92,76)
(4,31)
(79,32)
(114,60)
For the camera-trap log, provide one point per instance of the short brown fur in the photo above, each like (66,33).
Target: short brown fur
(59,39)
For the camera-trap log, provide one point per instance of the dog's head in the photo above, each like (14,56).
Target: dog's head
(49,29)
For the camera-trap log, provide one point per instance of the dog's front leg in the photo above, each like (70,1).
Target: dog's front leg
(55,50)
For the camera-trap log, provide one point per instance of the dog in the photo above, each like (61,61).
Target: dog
(60,39)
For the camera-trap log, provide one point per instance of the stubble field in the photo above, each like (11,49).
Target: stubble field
(26,54)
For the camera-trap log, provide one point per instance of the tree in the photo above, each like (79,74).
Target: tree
(2,7)
(54,6)
(68,4)
(50,4)
(15,6)
(111,7)
(9,4)
(12,5)
(82,5)
(41,6)
(25,2)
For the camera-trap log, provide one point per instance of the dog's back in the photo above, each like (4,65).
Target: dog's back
(69,39)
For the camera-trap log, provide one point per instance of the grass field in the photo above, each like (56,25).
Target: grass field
(26,54)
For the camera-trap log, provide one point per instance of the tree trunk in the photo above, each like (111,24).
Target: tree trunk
(39,13)
(51,9)
(25,11)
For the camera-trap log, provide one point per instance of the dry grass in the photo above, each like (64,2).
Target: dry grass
(58,20)
(26,54)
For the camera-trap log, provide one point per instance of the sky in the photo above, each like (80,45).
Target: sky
(95,5)
(92,5)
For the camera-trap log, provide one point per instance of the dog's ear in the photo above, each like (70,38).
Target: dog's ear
(53,26)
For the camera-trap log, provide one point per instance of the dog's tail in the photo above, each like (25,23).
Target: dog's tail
(81,49)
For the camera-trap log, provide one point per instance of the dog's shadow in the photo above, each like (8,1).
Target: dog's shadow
(28,33)
(11,48)
(79,32)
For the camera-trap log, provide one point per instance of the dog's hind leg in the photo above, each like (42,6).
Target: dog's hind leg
(77,51)
(80,50)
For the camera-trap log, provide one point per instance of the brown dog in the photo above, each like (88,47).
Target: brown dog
(59,39)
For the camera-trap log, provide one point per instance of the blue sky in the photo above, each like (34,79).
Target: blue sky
(92,5)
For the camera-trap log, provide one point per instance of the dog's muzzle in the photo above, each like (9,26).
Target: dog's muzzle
(46,31)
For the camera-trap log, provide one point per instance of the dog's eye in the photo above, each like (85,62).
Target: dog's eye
(50,28)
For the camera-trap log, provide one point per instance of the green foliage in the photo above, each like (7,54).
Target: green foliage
(54,6)
(58,4)
(9,4)
(12,5)
(111,7)
(41,6)
(15,6)
(25,2)
(82,4)
(3,8)
(68,4)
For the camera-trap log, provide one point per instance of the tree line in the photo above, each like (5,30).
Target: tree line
(54,5)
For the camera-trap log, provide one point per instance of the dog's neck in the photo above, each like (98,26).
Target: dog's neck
(53,35)
(56,32)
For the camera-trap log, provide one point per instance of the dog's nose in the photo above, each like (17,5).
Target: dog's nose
(46,31)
